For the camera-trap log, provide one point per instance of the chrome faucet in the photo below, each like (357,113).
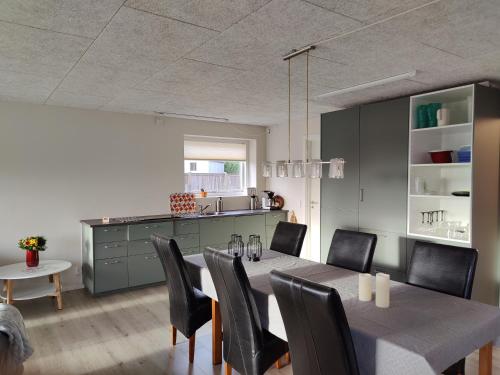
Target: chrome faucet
(202,209)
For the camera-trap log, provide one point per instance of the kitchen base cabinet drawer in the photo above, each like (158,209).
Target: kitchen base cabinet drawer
(273,218)
(144,231)
(112,233)
(111,274)
(140,247)
(145,269)
(186,227)
(248,225)
(187,241)
(216,231)
(110,250)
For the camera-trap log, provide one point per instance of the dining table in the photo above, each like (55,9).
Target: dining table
(421,332)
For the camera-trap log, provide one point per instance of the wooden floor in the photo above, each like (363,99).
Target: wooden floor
(126,333)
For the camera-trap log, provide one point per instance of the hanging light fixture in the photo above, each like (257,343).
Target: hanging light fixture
(302,168)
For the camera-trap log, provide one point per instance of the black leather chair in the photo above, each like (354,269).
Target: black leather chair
(316,327)
(288,238)
(352,250)
(446,269)
(247,347)
(189,308)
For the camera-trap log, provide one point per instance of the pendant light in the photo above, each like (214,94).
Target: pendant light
(302,168)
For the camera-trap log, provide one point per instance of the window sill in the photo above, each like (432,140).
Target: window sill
(223,195)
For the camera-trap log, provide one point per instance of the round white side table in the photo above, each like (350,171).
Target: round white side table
(19,271)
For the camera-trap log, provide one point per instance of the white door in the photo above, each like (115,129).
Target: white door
(313,194)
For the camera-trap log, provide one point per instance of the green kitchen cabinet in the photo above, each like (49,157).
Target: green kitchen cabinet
(247,225)
(216,231)
(110,274)
(144,269)
(144,231)
(118,257)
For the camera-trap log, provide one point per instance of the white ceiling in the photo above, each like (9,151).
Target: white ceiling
(222,58)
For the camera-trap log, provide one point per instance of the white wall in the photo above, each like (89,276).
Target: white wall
(60,165)
(296,192)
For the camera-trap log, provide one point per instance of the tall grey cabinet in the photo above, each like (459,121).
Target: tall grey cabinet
(373,139)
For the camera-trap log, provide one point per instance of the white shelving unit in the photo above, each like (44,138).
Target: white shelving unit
(454,221)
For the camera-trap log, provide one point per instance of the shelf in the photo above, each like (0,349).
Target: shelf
(442,165)
(26,292)
(438,238)
(443,129)
(435,196)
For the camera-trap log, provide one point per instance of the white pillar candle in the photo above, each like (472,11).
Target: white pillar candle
(105,220)
(382,290)
(365,287)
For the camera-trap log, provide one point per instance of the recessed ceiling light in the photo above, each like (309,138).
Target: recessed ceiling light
(366,85)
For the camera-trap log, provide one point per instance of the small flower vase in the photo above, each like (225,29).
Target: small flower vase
(32,259)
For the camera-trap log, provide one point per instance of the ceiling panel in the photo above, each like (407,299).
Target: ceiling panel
(93,79)
(77,17)
(69,99)
(369,10)
(214,14)
(26,87)
(28,50)
(467,28)
(141,42)
(188,73)
(271,32)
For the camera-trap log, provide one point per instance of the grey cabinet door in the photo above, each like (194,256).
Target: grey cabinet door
(145,269)
(110,233)
(111,274)
(216,231)
(339,198)
(384,165)
(384,179)
(247,225)
(110,250)
(144,231)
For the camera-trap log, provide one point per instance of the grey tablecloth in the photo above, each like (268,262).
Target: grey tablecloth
(423,332)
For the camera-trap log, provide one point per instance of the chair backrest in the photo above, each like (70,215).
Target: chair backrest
(316,326)
(443,268)
(288,238)
(352,250)
(180,289)
(243,334)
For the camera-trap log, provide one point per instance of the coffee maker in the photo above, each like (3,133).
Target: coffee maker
(268,202)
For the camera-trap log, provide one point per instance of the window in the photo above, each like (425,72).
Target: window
(217,166)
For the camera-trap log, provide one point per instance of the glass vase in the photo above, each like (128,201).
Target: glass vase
(32,258)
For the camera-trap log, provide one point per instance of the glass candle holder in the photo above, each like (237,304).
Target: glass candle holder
(281,168)
(297,169)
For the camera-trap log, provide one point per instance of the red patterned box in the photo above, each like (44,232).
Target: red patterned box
(182,203)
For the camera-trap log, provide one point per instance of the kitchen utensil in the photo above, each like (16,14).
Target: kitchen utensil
(464,154)
(279,202)
(432,109)
(463,193)
(268,202)
(443,116)
(219,205)
(441,156)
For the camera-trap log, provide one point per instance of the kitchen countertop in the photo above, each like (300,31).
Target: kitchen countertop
(157,218)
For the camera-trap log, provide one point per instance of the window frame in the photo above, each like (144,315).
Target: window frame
(246,172)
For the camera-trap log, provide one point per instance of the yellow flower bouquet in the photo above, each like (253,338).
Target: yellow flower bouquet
(33,243)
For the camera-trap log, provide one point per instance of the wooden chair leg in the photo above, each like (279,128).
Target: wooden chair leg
(174,336)
(486,359)
(287,357)
(278,364)
(227,369)
(192,340)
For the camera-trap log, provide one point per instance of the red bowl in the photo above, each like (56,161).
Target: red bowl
(441,156)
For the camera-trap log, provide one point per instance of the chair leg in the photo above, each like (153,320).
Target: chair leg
(278,364)
(174,336)
(227,369)
(191,347)
(287,358)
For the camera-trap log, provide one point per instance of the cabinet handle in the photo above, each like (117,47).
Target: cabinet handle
(147,242)
(112,247)
(149,258)
(112,262)
(361,195)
